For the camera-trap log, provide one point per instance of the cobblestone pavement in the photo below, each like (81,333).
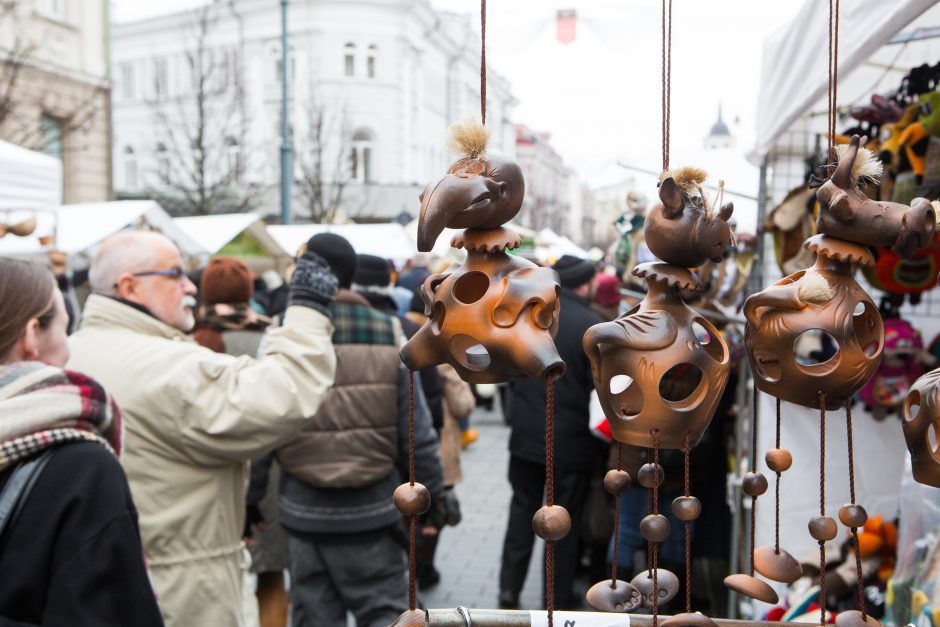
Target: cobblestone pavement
(468,555)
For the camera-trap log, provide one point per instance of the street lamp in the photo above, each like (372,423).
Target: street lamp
(286,148)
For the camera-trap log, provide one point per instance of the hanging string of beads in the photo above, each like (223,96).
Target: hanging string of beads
(483,61)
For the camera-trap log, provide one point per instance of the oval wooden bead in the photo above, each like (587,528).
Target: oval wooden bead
(689,620)
(853,515)
(617,481)
(854,618)
(551,523)
(650,475)
(654,528)
(412,500)
(667,586)
(411,618)
(752,587)
(687,508)
(778,459)
(823,528)
(777,564)
(617,597)
(754,484)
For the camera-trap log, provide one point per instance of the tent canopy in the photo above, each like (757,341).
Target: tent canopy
(28,179)
(388,240)
(212,233)
(78,228)
(792,88)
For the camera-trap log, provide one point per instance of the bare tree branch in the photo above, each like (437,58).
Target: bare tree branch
(322,181)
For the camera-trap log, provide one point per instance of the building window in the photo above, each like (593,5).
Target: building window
(163,162)
(159,77)
(233,156)
(51,128)
(127,81)
(130,169)
(350,59)
(370,62)
(54,9)
(360,157)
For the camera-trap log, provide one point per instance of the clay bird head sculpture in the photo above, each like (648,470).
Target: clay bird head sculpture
(482,190)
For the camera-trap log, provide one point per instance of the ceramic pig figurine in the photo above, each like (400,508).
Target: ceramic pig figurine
(683,230)
(847,213)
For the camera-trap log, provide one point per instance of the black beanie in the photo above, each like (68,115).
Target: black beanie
(372,271)
(338,253)
(574,271)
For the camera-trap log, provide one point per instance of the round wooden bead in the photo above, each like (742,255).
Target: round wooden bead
(852,515)
(619,596)
(823,528)
(411,618)
(412,500)
(687,508)
(617,481)
(551,523)
(650,475)
(754,484)
(854,618)
(654,528)
(778,459)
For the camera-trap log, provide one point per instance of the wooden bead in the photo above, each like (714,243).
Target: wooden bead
(654,528)
(551,523)
(777,565)
(411,618)
(853,618)
(852,515)
(650,475)
(778,459)
(823,528)
(687,508)
(690,619)
(752,587)
(754,484)
(617,481)
(667,586)
(412,500)
(617,597)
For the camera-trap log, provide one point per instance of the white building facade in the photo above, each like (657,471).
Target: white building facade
(387,76)
(552,196)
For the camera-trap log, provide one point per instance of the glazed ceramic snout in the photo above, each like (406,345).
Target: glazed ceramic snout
(659,366)
(493,319)
(921,421)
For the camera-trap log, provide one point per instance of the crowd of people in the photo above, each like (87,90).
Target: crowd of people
(200,428)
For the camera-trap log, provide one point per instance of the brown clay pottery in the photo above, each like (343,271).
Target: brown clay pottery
(820,301)
(684,230)
(24,228)
(921,424)
(848,214)
(617,596)
(752,587)
(777,564)
(667,586)
(411,618)
(659,366)
(854,618)
(493,318)
(689,619)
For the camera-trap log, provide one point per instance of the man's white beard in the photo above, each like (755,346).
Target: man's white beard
(188,305)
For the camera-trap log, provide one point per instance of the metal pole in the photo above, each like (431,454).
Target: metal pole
(286,148)
(462,616)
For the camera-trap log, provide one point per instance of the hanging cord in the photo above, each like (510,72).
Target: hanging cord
(655,434)
(483,60)
(833,80)
(753,454)
(550,494)
(614,562)
(412,522)
(688,534)
(667,80)
(860,588)
(777,491)
(822,504)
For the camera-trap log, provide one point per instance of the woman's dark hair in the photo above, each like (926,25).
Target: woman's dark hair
(26,292)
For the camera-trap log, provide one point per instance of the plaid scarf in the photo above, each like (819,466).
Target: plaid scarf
(43,406)
(231,317)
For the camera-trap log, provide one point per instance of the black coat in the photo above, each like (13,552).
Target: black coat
(74,556)
(575,447)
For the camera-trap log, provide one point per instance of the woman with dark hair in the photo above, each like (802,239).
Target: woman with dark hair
(70,547)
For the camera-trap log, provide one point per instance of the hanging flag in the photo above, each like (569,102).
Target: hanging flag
(565,25)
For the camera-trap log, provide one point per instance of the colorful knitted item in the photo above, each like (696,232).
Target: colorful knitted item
(43,406)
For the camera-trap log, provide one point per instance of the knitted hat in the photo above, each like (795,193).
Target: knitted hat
(338,253)
(574,271)
(226,280)
(607,290)
(372,270)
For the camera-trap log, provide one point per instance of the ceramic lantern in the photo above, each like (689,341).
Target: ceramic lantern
(921,421)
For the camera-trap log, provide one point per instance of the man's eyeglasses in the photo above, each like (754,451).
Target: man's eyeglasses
(173,273)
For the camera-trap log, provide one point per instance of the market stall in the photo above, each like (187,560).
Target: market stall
(241,235)
(389,240)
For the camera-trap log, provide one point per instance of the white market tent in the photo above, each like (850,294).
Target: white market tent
(28,180)
(80,228)
(550,246)
(388,240)
(213,232)
(792,88)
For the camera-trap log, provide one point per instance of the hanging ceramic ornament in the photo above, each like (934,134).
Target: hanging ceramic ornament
(493,318)
(921,424)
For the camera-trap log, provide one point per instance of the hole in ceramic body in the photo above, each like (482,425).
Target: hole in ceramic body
(469,353)
(703,329)
(767,364)
(679,383)
(815,347)
(471,287)
(912,405)
(438,314)
(619,383)
(866,323)
(702,336)
(932,438)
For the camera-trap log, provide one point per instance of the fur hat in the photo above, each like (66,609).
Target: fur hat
(574,271)
(372,271)
(607,293)
(226,280)
(338,253)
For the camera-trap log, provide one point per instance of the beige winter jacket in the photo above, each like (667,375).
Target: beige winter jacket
(193,419)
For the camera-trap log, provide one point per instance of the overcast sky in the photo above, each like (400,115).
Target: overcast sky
(599,97)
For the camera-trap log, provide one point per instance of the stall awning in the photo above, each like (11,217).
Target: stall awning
(387,240)
(28,179)
(794,74)
(214,232)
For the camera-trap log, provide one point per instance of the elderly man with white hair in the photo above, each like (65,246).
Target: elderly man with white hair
(194,418)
